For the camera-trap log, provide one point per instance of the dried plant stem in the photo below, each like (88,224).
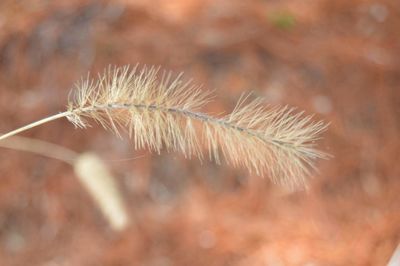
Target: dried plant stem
(97,179)
(159,113)
(43,148)
(190,114)
(202,117)
(91,172)
(35,124)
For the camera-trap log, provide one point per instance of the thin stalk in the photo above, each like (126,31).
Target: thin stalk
(194,115)
(40,147)
(35,124)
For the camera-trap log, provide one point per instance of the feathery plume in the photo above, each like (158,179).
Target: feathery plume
(164,113)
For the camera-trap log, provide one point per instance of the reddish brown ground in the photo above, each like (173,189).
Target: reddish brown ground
(338,59)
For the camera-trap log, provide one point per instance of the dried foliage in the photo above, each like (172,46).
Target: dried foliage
(90,170)
(97,179)
(164,113)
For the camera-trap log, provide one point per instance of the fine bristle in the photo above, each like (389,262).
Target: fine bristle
(164,113)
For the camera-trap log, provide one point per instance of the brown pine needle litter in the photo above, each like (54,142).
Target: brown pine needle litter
(164,113)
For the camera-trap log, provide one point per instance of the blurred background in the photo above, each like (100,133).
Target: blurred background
(337,59)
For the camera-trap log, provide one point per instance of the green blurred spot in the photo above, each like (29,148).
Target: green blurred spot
(282,20)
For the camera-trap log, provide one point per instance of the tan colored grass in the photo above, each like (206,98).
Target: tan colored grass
(91,171)
(165,113)
(95,177)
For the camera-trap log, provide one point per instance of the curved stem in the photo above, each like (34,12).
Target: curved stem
(40,147)
(195,115)
(35,124)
